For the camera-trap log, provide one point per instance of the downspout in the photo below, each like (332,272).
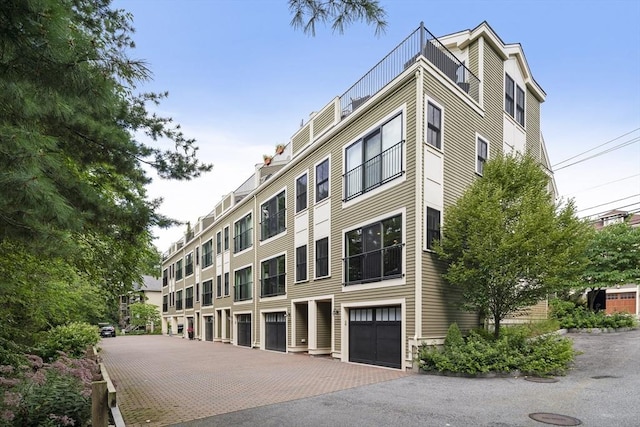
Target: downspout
(255,319)
(419,195)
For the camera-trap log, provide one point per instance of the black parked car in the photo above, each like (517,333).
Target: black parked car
(108,331)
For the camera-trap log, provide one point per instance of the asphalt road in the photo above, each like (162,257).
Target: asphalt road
(603,389)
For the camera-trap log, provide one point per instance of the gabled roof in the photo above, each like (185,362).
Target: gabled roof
(464,38)
(150,283)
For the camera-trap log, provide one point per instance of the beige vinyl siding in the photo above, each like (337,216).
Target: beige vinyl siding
(491,126)
(302,324)
(325,119)
(301,138)
(529,314)
(218,210)
(474,67)
(226,203)
(532,120)
(323,321)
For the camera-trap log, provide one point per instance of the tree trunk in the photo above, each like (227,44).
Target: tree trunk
(496,326)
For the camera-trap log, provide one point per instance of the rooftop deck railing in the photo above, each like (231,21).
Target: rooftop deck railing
(420,42)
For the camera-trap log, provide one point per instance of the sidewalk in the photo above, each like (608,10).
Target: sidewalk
(162,380)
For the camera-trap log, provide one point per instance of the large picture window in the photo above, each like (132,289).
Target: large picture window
(273,216)
(243,284)
(273,277)
(207,253)
(374,252)
(243,231)
(374,159)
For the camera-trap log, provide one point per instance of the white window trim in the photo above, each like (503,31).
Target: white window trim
(242,217)
(438,208)
(475,159)
(259,275)
(193,265)
(213,254)
(286,229)
(429,100)
(295,192)
(263,327)
(253,283)
(383,283)
(295,264)
(315,181)
(315,259)
(226,251)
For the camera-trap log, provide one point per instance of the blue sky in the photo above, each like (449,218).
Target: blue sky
(241,79)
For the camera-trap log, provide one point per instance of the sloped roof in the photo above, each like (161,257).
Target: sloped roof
(151,283)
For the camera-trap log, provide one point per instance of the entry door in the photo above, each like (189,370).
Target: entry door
(375,336)
(244,330)
(276,331)
(208,328)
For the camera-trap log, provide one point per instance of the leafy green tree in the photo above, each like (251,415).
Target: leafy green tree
(614,258)
(506,243)
(340,13)
(144,315)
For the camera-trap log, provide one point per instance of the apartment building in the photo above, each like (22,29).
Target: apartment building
(327,249)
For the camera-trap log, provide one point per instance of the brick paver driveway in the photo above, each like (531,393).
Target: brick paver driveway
(162,380)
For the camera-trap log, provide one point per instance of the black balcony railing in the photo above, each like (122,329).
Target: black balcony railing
(420,42)
(273,286)
(273,224)
(374,266)
(242,292)
(188,302)
(207,298)
(188,269)
(374,172)
(207,259)
(243,240)
(179,304)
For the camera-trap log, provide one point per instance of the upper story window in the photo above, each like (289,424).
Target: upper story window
(301,263)
(179,300)
(226,238)
(514,99)
(188,298)
(219,242)
(519,105)
(375,159)
(322,180)
(226,284)
(301,193)
(374,252)
(207,253)
(434,126)
(165,277)
(165,302)
(243,284)
(273,277)
(273,216)
(219,286)
(179,269)
(322,257)
(243,231)
(482,154)
(188,264)
(433,227)
(207,292)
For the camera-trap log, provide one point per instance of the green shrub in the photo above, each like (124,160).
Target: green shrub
(514,350)
(579,316)
(72,339)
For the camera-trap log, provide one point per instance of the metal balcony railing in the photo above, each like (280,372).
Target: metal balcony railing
(374,172)
(242,292)
(273,224)
(420,42)
(273,286)
(374,266)
(242,241)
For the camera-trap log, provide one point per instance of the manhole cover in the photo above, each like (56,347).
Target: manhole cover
(555,419)
(541,380)
(600,377)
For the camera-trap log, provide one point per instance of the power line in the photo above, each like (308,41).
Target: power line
(617,147)
(608,203)
(602,185)
(598,216)
(594,148)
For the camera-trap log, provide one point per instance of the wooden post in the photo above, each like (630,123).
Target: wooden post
(99,405)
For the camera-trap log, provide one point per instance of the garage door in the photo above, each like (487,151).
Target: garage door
(375,336)
(275,331)
(244,330)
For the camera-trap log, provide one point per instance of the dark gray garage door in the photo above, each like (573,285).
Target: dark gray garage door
(375,336)
(276,331)
(244,330)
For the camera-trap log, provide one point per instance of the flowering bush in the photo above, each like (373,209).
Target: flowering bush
(43,394)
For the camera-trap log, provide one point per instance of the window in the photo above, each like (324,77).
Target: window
(482,154)
(508,94)
(207,292)
(242,285)
(374,252)
(179,270)
(434,126)
(165,303)
(301,193)
(226,284)
(197,291)
(375,159)
(188,264)
(188,298)
(322,180)
(197,257)
(219,242)
(433,226)
(179,300)
(519,105)
(301,263)
(219,286)
(273,276)
(243,230)
(322,257)
(165,277)
(273,216)
(207,253)
(226,238)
